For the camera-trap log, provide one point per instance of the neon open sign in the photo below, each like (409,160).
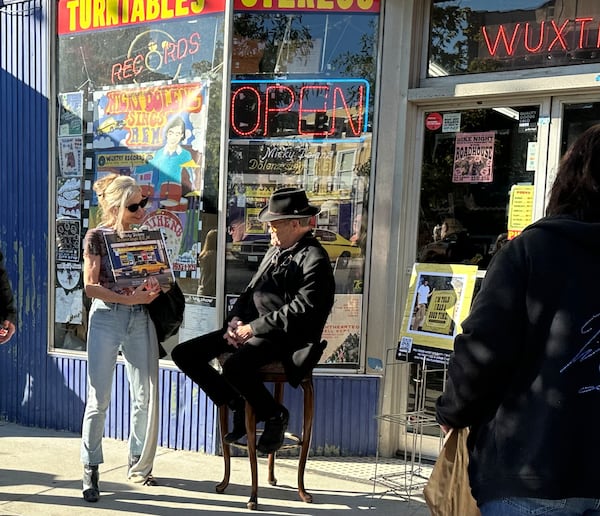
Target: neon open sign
(294,109)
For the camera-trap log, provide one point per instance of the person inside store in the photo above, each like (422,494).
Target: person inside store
(8,312)
(454,245)
(524,372)
(207,263)
(118,323)
(279,317)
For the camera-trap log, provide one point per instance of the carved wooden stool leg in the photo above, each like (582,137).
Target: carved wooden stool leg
(278,395)
(307,388)
(224,423)
(251,428)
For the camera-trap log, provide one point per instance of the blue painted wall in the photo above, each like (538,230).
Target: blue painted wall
(48,391)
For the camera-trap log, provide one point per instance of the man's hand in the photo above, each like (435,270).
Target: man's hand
(237,333)
(7,330)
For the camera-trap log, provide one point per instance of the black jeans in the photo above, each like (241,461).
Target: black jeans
(240,370)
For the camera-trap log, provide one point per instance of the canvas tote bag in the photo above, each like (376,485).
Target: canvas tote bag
(447,491)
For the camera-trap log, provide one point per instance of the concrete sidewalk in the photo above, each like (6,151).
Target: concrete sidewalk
(40,473)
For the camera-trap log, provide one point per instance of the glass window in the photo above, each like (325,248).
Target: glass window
(301,111)
(142,99)
(476,182)
(475,36)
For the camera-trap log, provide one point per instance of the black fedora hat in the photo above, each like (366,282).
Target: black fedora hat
(287,203)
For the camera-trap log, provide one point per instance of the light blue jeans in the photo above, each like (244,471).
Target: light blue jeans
(113,327)
(541,506)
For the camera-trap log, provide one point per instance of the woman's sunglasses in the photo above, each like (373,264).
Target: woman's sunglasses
(136,206)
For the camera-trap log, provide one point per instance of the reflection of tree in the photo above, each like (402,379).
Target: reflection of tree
(283,37)
(361,64)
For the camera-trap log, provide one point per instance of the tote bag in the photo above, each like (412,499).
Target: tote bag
(166,312)
(448,492)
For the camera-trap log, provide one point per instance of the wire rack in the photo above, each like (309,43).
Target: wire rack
(413,473)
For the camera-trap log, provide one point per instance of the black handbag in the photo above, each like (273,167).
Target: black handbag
(166,312)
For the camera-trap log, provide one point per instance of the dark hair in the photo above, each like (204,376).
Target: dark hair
(179,123)
(576,189)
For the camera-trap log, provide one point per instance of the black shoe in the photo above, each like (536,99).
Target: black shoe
(239,422)
(91,491)
(274,432)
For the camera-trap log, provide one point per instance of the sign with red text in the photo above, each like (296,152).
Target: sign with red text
(293,109)
(86,15)
(474,158)
(323,6)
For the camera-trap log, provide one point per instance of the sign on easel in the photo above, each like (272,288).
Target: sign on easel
(439,299)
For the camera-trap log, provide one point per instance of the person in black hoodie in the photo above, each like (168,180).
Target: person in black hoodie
(524,375)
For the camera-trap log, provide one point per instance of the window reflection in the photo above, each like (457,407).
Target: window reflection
(471,164)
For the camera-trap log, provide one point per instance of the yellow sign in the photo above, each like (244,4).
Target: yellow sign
(440,313)
(520,209)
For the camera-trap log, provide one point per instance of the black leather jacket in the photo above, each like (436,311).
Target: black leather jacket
(301,288)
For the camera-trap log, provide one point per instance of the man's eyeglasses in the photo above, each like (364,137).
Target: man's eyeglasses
(137,205)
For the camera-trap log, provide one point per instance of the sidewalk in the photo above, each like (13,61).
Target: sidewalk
(40,473)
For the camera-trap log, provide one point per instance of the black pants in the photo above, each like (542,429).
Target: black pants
(240,371)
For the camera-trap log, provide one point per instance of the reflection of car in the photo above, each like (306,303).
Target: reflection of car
(150,267)
(252,251)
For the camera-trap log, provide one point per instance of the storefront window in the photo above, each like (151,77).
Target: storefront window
(476,182)
(474,36)
(139,93)
(301,111)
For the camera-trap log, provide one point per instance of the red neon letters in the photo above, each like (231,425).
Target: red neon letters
(541,37)
(315,109)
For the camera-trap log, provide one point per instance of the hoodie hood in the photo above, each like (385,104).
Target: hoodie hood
(585,235)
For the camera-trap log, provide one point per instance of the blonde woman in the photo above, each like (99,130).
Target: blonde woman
(118,321)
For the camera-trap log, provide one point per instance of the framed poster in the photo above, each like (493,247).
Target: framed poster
(439,299)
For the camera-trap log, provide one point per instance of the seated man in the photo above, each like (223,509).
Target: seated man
(280,316)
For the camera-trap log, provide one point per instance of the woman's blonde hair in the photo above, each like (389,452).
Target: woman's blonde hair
(113,193)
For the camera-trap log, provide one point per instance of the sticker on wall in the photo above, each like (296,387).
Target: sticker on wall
(68,240)
(68,275)
(474,158)
(433,121)
(68,198)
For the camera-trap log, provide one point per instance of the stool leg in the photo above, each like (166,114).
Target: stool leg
(251,437)
(224,424)
(309,404)
(278,395)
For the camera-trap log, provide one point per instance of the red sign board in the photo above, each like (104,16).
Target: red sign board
(433,121)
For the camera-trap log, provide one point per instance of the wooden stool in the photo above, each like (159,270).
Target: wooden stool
(273,373)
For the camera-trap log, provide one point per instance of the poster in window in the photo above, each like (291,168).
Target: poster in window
(70,156)
(70,115)
(160,144)
(474,158)
(136,255)
(68,197)
(68,240)
(438,300)
(68,274)
(342,330)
